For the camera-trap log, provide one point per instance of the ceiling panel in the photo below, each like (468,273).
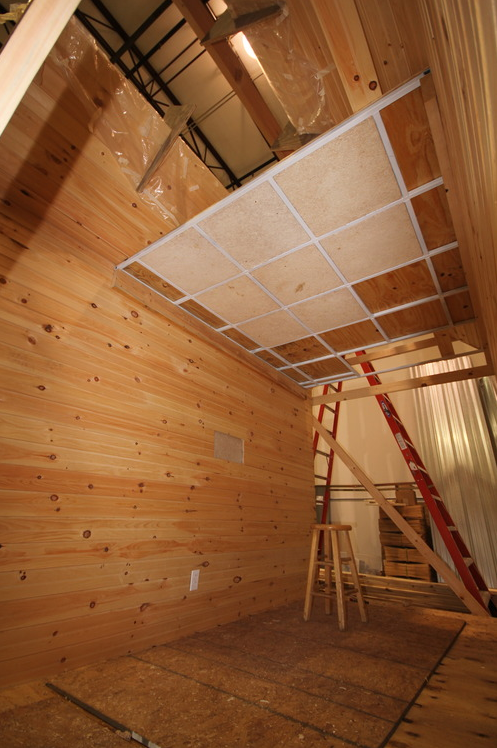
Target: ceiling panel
(238,300)
(252,242)
(433,216)
(360,181)
(298,275)
(326,253)
(191,262)
(375,244)
(397,287)
(407,126)
(329,310)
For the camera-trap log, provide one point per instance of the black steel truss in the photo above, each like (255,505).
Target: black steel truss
(141,61)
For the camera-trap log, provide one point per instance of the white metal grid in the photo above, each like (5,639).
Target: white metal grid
(291,309)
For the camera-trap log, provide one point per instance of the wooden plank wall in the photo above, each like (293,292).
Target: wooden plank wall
(110,492)
(461,37)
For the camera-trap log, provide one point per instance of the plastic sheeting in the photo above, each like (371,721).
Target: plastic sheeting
(132,130)
(296,80)
(456,448)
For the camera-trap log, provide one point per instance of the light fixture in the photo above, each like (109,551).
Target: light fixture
(247,47)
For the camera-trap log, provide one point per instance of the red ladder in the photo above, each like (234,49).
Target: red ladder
(464,563)
(331,456)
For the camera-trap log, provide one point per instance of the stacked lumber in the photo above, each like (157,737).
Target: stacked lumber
(408,592)
(400,557)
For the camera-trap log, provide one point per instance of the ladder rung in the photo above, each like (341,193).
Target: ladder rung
(452,528)
(328,407)
(468,560)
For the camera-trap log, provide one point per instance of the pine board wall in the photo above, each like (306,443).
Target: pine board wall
(110,492)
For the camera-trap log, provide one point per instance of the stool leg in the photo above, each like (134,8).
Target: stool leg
(337,563)
(311,575)
(327,571)
(355,579)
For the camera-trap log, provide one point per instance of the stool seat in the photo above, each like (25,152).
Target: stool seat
(332,559)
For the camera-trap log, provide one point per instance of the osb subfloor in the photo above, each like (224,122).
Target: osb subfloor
(272,680)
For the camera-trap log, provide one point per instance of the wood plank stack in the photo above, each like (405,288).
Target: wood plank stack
(400,557)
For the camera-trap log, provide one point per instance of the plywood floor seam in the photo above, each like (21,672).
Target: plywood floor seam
(272,680)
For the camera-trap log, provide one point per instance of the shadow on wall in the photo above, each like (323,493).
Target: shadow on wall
(36,157)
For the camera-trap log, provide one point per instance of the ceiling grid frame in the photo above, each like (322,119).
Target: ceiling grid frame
(407,197)
(269,349)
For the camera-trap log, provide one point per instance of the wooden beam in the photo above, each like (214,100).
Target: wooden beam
(345,37)
(431,557)
(407,384)
(27,48)
(444,343)
(201,21)
(392,350)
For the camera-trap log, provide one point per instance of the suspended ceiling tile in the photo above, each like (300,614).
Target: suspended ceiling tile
(330,310)
(302,350)
(415,319)
(274,329)
(202,313)
(434,218)
(375,244)
(353,336)
(238,300)
(402,286)
(460,306)
(189,261)
(408,129)
(256,227)
(240,338)
(330,367)
(298,275)
(345,179)
(449,269)
(154,281)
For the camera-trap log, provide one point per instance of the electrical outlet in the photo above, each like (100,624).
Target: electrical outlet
(194,579)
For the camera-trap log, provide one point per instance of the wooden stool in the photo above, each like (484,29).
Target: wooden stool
(332,559)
